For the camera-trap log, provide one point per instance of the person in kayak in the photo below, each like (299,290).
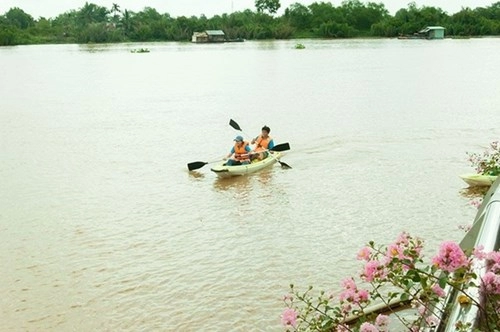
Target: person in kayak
(240,153)
(263,142)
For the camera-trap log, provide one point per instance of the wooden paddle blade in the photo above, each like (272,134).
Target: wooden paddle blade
(195,165)
(281,147)
(233,124)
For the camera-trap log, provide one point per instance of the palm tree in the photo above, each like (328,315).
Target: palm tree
(126,21)
(115,9)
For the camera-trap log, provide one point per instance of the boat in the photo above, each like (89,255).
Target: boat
(478,180)
(225,171)
(140,50)
(235,40)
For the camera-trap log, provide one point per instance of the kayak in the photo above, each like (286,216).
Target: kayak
(478,180)
(225,171)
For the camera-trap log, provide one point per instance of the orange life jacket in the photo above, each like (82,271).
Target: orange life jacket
(262,143)
(240,153)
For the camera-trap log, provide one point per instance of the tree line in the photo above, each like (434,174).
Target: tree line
(353,18)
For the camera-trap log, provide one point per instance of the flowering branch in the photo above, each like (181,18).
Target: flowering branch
(400,267)
(487,163)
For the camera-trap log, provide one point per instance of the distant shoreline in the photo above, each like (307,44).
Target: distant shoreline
(351,19)
(138,43)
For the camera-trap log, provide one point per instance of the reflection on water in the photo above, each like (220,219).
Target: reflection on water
(474,192)
(243,183)
(196,175)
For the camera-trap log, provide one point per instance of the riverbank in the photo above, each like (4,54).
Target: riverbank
(97,24)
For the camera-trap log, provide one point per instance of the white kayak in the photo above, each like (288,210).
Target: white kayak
(478,180)
(225,171)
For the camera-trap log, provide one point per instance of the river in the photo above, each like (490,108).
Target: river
(102,227)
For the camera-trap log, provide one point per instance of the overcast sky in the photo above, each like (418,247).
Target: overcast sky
(52,8)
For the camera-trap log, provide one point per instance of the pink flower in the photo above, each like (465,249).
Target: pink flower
(373,269)
(352,294)
(364,253)
(394,250)
(491,283)
(346,308)
(495,268)
(368,327)
(493,256)
(478,252)
(342,328)
(438,290)
(347,295)
(403,238)
(382,322)
(363,295)
(450,257)
(421,310)
(405,248)
(349,283)
(432,320)
(289,317)
(476,203)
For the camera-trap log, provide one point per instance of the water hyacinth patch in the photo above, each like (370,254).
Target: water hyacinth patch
(397,272)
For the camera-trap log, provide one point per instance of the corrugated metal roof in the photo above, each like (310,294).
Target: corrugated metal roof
(427,29)
(215,32)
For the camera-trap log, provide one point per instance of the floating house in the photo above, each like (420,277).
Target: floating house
(432,32)
(209,36)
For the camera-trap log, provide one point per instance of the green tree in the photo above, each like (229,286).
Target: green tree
(8,34)
(91,13)
(324,12)
(362,17)
(299,16)
(271,6)
(18,18)
(466,22)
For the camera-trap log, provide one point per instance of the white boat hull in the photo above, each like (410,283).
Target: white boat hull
(224,171)
(478,180)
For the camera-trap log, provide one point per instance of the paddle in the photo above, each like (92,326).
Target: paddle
(286,146)
(199,164)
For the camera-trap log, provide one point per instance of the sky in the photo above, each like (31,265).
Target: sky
(52,8)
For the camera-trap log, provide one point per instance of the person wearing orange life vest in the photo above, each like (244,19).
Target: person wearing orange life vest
(263,142)
(240,153)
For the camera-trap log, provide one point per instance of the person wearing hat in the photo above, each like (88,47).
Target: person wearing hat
(240,153)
